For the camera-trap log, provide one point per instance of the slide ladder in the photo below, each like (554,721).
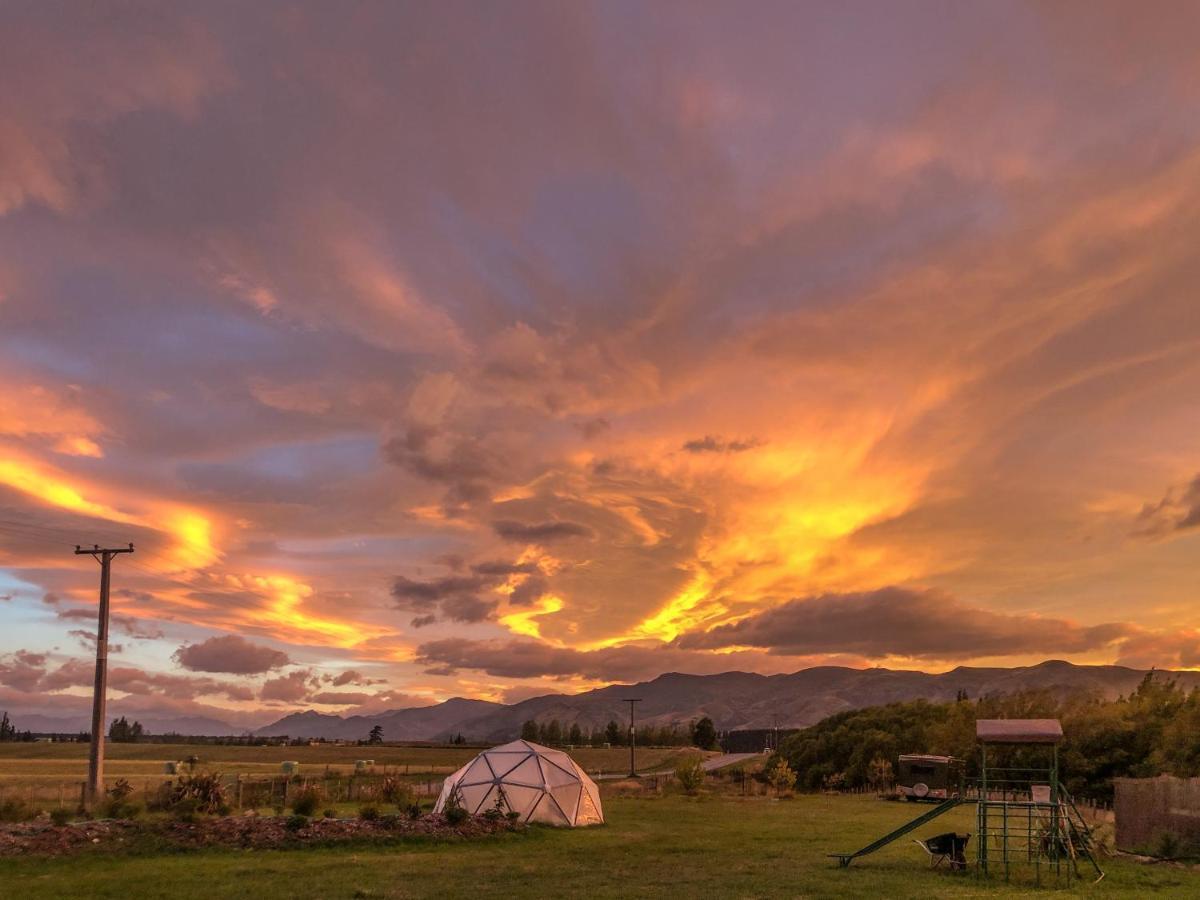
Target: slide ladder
(944,807)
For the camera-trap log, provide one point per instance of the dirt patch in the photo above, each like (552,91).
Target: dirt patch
(240,832)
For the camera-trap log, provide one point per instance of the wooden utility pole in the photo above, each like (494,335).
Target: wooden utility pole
(99,694)
(632,734)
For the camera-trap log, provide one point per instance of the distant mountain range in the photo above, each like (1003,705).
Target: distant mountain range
(421,723)
(733,700)
(192,725)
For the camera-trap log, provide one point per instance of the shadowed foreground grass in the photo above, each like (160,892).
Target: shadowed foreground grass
(653,847)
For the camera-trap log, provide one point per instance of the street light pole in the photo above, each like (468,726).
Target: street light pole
(632,733)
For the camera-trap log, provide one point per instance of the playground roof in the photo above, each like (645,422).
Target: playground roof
(1018,731)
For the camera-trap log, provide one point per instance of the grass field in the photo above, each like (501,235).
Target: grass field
(656,846)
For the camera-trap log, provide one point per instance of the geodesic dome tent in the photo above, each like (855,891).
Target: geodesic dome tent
(535,782)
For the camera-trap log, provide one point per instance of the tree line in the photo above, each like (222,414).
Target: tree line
(1150,732)
(9,733)
(552,733)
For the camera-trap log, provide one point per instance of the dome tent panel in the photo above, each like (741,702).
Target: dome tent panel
(556,775)
(535,782)
(567,797)
(478,772)
(589,811)
(560,759)
(521,799)
(517,746)
(472,796)
(527,772)
(548,812)
(504,763)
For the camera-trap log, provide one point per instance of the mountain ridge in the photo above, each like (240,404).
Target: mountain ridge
(733,700)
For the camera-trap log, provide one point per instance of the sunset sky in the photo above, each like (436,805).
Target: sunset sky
(493,349)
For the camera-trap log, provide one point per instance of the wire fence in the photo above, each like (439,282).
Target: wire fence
(242,791)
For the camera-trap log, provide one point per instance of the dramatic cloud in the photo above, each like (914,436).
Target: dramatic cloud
(350,677)
(23,670)
(1172,650)
(609,333)
(290,688)
(32,673)
(539,532)
(904,623)
(532,659)
(231,654)
(87,640)
(1178,511)
(340,698)
(710,444)
(454,598)
(122,624)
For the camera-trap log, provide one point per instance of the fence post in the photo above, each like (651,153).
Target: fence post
(239,790)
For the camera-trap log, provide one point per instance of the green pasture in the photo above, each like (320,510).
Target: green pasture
(718,845)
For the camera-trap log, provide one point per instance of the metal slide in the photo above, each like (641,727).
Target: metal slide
(944,807)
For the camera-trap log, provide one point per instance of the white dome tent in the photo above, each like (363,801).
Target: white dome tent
(535,782)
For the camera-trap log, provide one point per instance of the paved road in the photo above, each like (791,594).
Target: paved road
(727,759)
(710,765)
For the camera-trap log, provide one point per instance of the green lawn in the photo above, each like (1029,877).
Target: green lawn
(669,846)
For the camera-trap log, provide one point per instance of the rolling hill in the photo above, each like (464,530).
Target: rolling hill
(418,723)
(732,700)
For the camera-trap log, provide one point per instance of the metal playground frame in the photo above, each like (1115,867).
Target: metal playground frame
(1023,815)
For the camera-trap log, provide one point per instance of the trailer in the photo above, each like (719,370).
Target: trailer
(925,778)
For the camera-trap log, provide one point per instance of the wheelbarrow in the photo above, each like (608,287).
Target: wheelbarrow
(950,848)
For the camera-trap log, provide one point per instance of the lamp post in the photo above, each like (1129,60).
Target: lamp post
(632,768)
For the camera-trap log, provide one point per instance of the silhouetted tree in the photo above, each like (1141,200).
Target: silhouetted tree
(121,732)
(612,732)
(529,731)
(704,734)
(376,735)
(575,738)
(8,731)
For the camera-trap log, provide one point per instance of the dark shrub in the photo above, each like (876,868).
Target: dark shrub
(330,814)
(690,774)
(15,811)
(296,823)
(305,801)
(60,817)
(455,812)
(369,813)
(117,803)
(200,793)
(185,810)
